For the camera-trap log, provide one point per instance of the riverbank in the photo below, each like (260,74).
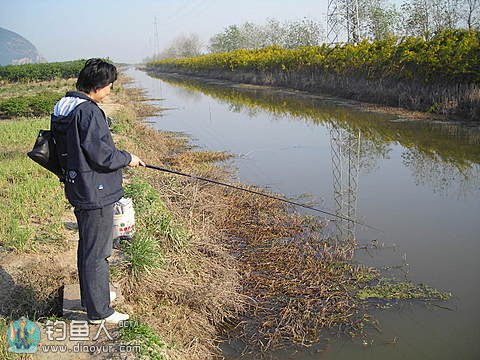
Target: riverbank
(431,76)
(205,265)
(455,102)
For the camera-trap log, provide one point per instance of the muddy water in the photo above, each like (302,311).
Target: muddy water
(418,181)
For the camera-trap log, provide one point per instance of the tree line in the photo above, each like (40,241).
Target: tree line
(378,20)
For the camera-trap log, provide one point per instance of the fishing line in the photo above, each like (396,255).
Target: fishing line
(260,193)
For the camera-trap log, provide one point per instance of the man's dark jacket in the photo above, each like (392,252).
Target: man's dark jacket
(92,163)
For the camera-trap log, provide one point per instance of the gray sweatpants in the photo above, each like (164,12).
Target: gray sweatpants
(94,247)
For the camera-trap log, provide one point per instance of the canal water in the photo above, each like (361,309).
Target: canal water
(418,181)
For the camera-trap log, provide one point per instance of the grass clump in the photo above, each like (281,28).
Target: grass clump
(153,217)
(389,290)
(144,196)
(144,253)
(152,347)
(119,124)
(154,225)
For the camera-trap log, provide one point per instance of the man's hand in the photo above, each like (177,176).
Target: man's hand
(136,161)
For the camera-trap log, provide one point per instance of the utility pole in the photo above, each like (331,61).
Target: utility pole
(156,43)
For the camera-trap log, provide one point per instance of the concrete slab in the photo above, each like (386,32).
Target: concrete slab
(72,308)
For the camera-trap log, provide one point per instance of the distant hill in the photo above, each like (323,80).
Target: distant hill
(15,49)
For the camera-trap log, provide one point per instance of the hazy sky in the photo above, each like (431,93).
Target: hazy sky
(123,30)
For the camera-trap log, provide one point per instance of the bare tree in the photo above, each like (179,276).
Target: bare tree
(181,47)
(274,32)
(445,14)
(228,40)
(304,32)
(427,17)
(472,14)
(416,19)
(378,19)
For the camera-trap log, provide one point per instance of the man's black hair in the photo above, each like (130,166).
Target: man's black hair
(96,74)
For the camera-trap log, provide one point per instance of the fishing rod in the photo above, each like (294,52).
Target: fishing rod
(259,193)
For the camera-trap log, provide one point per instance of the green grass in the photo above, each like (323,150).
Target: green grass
(120,123)
(153,216)
(152,347)
(154,225)
(31,199)
(144,253)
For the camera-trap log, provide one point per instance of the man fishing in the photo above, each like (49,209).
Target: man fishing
(92,166)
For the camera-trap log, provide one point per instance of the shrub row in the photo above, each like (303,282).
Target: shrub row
(452,55)
(41,72)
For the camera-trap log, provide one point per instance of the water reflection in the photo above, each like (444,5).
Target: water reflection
(345,149)
(438,154)
(444,178)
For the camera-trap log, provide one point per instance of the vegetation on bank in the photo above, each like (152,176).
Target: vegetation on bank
(154,221)
(41,72)
(152,347)
(451,55)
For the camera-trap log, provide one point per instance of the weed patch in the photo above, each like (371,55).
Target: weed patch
(152,347)
(154,220)
(389,290)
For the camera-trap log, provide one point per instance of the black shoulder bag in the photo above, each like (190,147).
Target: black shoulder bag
(44,153)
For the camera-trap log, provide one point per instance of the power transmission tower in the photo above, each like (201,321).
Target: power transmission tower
(156,43)
(343,24)
(345,147)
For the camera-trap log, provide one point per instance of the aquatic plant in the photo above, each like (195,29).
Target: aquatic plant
(390,290)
